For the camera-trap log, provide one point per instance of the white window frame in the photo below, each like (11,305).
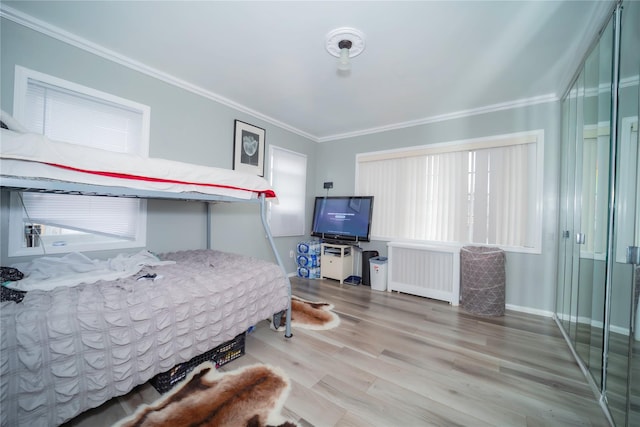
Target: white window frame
(628,211)
(71,243)
(595,151)
(287,202)
(536,136)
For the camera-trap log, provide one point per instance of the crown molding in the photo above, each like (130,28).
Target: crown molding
(86,45)
(526,102)
(59,34)
(630,81)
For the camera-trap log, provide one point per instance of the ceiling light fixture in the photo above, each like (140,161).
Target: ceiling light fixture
(345,43)
(344,63)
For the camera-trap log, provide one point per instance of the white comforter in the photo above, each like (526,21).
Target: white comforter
(47,273)
(33,155)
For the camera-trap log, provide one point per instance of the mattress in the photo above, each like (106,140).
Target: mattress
(29,155)
(72,348)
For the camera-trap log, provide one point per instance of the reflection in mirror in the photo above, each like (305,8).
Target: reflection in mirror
(576,201)
(600,201)
(563,290)
(623,372)
(592,210)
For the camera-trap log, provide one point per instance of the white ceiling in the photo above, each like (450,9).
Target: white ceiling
(423,61)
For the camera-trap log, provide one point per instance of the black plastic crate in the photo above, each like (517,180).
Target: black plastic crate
(221,355)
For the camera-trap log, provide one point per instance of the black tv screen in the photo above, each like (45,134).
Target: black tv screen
(342,218)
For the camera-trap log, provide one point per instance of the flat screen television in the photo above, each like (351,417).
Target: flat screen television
(342,218)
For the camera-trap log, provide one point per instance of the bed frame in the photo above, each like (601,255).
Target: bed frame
(34,163)
(62,187)
(89,396)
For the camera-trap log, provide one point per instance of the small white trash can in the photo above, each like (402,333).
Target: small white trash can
(378,273)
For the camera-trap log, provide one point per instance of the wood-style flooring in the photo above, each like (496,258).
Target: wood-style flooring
(402,360)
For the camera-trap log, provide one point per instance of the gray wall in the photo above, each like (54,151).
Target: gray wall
(191,128)
(184,127)
(530,278)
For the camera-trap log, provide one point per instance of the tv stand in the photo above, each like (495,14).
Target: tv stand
(333,242)
(336,261)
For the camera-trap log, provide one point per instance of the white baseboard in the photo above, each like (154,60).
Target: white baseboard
(529,310)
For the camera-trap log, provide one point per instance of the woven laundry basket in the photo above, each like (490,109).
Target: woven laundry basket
(482,280)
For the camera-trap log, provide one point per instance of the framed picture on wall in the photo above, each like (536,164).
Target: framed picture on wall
(248,148)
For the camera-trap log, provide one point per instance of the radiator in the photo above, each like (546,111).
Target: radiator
(424,270)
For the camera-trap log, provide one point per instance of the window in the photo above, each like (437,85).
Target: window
(288,176)
(482,191)
(64,111)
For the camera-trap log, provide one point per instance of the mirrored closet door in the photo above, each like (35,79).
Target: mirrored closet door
(598,289)
(622,387)
(584,206)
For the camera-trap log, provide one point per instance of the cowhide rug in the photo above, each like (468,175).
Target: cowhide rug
(252,396)
(310,315)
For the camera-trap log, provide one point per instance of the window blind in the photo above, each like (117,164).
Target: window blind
(108,216)
(482,191)
(70,116)
(76,117)
(289,179)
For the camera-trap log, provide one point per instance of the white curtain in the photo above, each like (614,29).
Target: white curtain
(510,194)
(447,197)
(469,195)
(421,197)
(394,205)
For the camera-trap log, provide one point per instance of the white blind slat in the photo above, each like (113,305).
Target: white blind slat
(482,192)
(66,115)
(101,215)
(289,179)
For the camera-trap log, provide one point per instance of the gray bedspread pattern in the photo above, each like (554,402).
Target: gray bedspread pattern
(71,349)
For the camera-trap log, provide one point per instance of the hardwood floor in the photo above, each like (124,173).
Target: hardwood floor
(401,360)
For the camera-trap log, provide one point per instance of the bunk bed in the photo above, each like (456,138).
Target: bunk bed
(71,348)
